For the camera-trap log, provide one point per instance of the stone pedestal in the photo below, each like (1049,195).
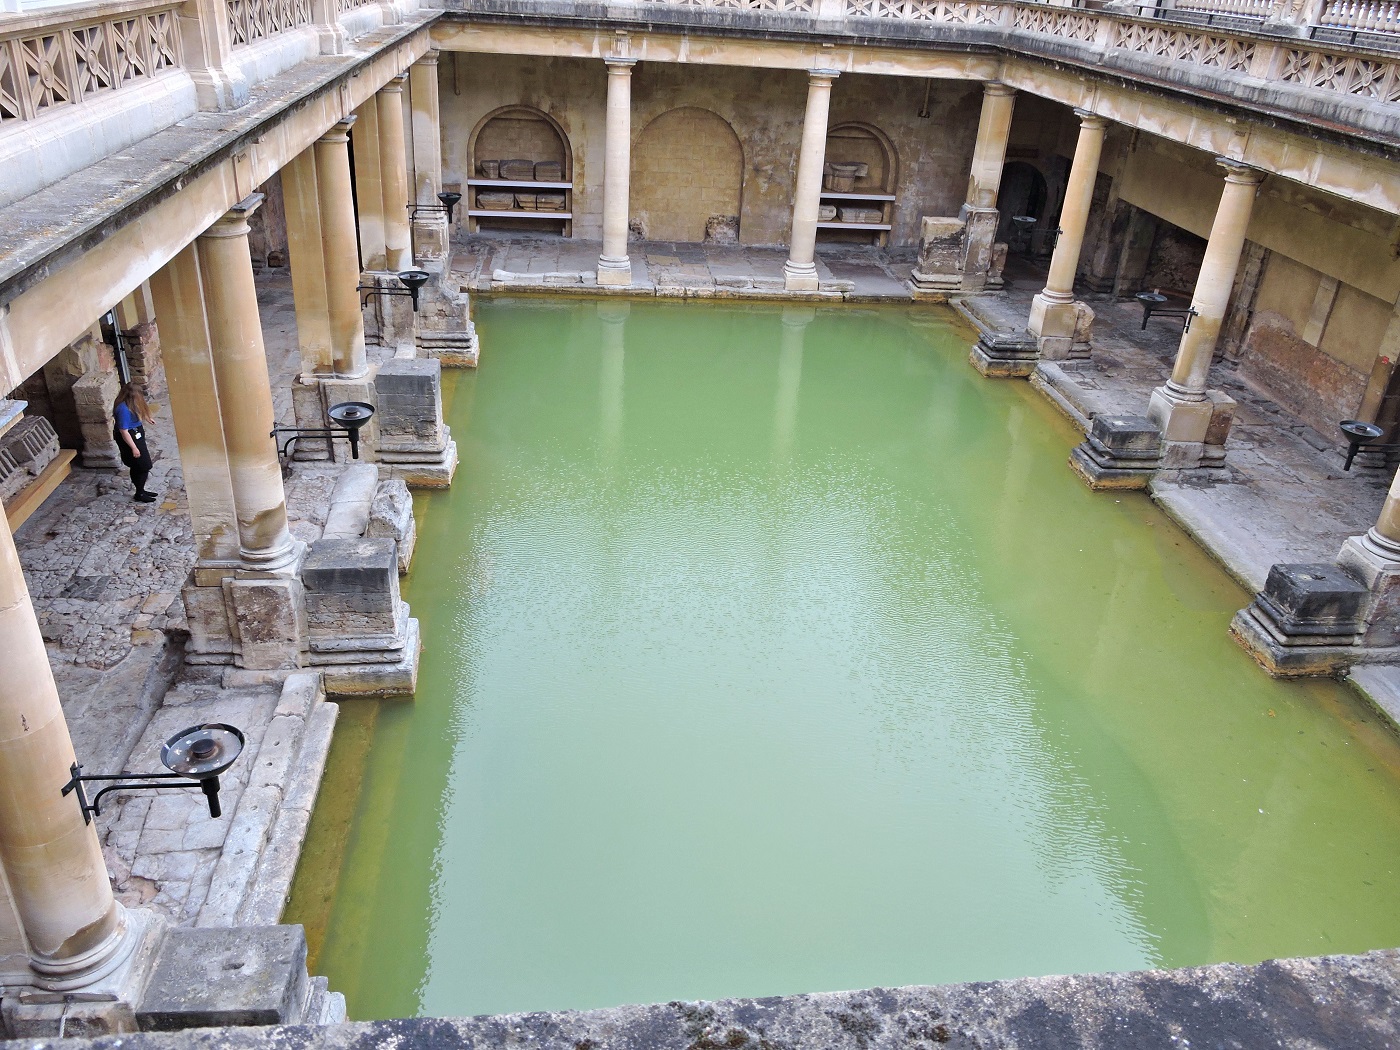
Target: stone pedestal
(413,443)
(93,395)
(1053,320)
(1121,452)
(359,631)
(1306,622)
(1379,571)
(1194,432)
(1005,355)
(956,255)
(389,319)
(446,332)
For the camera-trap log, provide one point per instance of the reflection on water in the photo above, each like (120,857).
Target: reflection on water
(772,650)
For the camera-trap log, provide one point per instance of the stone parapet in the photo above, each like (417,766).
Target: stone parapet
(1329,1001)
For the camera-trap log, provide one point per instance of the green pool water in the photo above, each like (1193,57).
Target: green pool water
(769,650)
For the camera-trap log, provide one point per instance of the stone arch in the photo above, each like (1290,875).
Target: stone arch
(688,177)
(864,143)
(1023,191)
(520,132)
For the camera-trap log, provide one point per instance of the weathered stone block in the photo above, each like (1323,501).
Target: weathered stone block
(206,978)
(1121,452)
(1005,355)
(269,615)
(1127,437)
(409,399)
(1312,599)
(211,634)
(352,595)
(350,566)
(391,517)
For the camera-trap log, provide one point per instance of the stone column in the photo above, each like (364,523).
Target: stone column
(369,191)
(245,393)
(308,262)
(1053,311)
(75,930)
(1184,409)
(614,267)
(800,270)
(393,160)
(988,156)
(178,289)
(430,230)
(340,253)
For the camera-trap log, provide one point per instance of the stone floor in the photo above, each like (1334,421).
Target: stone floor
(104,575)
(511,262)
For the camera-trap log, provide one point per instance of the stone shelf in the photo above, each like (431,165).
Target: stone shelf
(512,184)
(857,196)
(883,226)
(517,213)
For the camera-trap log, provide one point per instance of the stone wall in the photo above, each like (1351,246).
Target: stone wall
(686,167)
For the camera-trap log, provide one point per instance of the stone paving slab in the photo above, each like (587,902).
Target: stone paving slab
(1329,1003)
(503,262)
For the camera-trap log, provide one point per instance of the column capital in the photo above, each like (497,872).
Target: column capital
(339,131)
(395,83)
(234,222)
(429,57)
(815,75)
(1089,119)
(1240,172)
(997,88)
(619,66)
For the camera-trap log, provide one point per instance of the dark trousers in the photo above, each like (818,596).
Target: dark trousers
(140,464)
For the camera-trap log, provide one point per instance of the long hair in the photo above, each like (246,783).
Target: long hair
(135,399)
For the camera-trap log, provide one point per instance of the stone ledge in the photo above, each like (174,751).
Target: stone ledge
(1339,1002)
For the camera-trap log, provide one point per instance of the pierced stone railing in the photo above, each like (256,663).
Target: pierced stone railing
(62,61)
(252,20)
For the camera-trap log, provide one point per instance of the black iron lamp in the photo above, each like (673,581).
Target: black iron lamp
(1362,437)
(412,281)
(1023,224)
(195,757)
(348,417)
(449,200)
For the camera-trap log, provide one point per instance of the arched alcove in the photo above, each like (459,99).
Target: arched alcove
(536,196)
(1022,192)
(688,177)
(858,181)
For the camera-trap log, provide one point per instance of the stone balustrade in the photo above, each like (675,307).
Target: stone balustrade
(65,57)
(1373,16)
(253,20)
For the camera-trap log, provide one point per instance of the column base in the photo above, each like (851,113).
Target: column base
(445,329)
(800,277)
(1052,322)
(430,238)
(1005,355)
(1194,431)
(1121,452)
(389,318)
(1307,622)
(614,272)
(414,443)
(1376,563)
(104,997)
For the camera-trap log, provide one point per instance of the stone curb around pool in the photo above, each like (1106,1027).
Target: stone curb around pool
(1336,1002)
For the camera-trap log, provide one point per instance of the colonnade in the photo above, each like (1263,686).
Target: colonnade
(221,402)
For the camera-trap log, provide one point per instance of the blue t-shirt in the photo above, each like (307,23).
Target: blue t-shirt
(126,418)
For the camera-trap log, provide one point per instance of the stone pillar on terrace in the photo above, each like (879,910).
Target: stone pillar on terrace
(340,253)
(245,393)
(614,266)
(1195,421)
(956,255)
(1054,313)
(800,270)
(369,191)
(206,46)
(979,213)
(325,19)
(393,159)
(430,230)
(78,936)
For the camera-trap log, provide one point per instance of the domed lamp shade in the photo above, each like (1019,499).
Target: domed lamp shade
(450,201)
(413,280)
(201,753)
(351,415)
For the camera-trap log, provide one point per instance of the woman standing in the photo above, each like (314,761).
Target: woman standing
(131,415)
